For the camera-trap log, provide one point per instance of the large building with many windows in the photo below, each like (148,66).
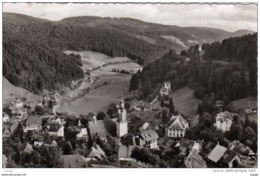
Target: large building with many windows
(176,127)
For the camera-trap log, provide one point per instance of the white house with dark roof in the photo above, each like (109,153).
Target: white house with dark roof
(165,90)
(150,138)
(224,121)
(33,123)
(176,127)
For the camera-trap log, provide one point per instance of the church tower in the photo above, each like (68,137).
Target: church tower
(121,124)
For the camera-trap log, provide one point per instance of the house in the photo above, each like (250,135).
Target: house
(95,153)
(4,161)
(143,106)
(165,90)
(176,127)
(124,152)
(241,148)
(56,130)
(33,123)
(144,126)
(38,140)
(73,161)
(50,142)
(216,154)
(185,145)
(150,138)
(83,133)
(6,118)
(167,145)
(6,132)
(224,121)
(230,159)
(26,147)
(14,127)
(194,160)
(197,147)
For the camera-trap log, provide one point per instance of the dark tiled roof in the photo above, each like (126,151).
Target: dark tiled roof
(228,156)
(32,120)
(148,135)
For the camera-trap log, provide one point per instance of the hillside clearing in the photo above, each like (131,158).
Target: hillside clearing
(184,101)
(10,92)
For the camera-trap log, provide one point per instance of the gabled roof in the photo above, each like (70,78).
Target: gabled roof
(145,125)
(216,154)
(83,132)
(73,161)
(125,151)
(55,127)
(194,160)
(224,116)
(148,135)
(6,131)
(32,120)
(177,122)
(25,147)
(228,156)
(4,161)
(97,147)
(143,104)
(14,126)
(240,148)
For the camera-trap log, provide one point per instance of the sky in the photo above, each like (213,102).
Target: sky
(225,16)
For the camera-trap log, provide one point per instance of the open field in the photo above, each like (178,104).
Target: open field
(10,92)
(93,59)
(243,104)
(105,87)
(130,66)
(184,101)
(96,100)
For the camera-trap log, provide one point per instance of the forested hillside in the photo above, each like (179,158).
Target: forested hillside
(228,69)
(33,48)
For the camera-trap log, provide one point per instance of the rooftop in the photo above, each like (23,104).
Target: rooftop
(216,154)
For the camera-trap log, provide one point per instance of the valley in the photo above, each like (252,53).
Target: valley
(101,86)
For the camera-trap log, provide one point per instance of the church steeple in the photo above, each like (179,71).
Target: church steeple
(122,121)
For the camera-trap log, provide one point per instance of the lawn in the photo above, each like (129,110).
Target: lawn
(184,101)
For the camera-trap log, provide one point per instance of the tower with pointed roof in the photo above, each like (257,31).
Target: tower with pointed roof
(121,124)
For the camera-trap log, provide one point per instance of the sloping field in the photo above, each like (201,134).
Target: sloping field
(244,103)
(10,92)
(184,101)
(96,100)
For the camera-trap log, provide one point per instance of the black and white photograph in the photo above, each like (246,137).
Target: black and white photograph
(129,85)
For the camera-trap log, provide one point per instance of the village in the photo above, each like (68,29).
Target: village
(130,134)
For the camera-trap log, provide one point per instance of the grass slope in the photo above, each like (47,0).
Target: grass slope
(184,101)
(10,92)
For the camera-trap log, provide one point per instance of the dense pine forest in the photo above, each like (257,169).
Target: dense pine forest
(228,69)
(33,48)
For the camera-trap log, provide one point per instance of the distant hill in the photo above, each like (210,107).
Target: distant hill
(33,48)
